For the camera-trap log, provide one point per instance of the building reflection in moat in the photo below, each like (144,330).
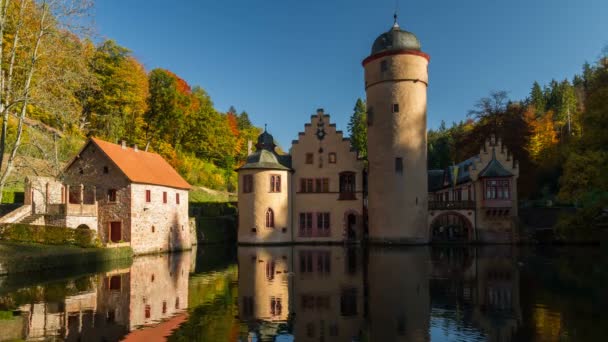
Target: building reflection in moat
(331,293)
(104,307)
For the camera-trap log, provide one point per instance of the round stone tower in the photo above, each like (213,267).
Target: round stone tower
(396,81)
(264,196)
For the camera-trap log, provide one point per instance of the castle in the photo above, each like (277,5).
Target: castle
(323,193)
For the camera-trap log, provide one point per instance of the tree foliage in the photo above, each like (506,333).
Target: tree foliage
(357,127)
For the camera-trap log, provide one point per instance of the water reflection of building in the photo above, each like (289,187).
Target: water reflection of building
(398,283)
(482,284)
(498,311)
(107,306)
(264,288)
(328,293)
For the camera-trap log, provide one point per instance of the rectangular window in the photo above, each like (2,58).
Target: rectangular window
(164,197)
(383,66)
(370,116)
(323,224)
(309,158)
(275,183)
(275,306)
(322,185)
(247,184)
(332,158)
(309,185)
(112,195)
(347,185)
(147,311)
(498,189)
(148,196)
(395,108)
(176,198)
(306,224)
(399,165)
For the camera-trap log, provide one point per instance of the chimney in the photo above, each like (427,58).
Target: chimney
(123,144)
(249,145)
(135,148)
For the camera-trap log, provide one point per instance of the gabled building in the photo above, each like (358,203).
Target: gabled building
(475,200)
(314,194)
(130,197)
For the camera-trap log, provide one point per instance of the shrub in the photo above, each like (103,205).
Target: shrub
(49,235)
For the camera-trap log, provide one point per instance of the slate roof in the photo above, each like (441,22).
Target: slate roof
(494,168)
(265,157)
(140,166)
(395,39)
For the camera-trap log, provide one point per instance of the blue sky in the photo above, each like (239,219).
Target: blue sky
(280,60)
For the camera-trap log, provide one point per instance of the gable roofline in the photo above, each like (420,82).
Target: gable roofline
(178,181)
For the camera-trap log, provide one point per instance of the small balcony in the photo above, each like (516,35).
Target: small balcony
(451,205)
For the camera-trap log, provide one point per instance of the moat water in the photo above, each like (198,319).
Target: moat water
(320,293)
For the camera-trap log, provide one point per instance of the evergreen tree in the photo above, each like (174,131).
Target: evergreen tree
(537,99)
(357,127)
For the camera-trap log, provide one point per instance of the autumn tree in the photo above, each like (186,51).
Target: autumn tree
(114,106)
(30,59)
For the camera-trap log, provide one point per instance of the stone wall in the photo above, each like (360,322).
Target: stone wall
(89,168)
(157,226)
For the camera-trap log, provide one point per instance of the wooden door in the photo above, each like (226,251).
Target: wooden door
(115,231)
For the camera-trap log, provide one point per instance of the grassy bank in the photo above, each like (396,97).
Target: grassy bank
(17,257)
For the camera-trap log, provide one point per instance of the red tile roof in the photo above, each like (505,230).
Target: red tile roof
(142,167)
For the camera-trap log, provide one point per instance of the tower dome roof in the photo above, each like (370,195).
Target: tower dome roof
(395,39)
(265,142)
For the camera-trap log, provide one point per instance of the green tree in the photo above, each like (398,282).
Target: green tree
(357,128)
(113,108)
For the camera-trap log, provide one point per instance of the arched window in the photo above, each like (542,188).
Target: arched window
(269,218)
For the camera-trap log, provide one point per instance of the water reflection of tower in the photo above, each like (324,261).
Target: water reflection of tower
(264,288)
(328,293)
(398,294)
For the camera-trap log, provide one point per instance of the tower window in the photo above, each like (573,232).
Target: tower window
(247,183)
(269,218)
(395,108)
(383,66)
(370,116)
(399,165)
(275,183)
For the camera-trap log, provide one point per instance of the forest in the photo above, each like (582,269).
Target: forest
(558,133)
(59,86)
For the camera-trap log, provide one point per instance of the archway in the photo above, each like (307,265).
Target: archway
(451,227)
(83,226)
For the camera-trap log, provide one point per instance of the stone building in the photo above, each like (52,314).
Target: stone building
(322,192)
(476,200)
(314,194)
(130,197)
